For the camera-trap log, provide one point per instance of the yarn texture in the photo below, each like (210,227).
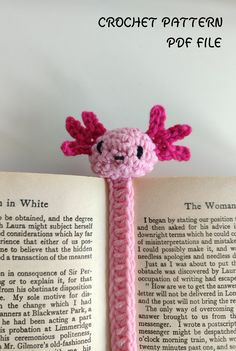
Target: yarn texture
(121,265)
(119,155)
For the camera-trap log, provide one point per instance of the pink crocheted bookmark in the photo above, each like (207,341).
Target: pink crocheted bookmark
(119,155)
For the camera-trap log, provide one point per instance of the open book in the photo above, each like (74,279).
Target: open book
(53,263)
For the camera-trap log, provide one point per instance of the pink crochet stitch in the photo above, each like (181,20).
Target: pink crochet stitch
(119,155)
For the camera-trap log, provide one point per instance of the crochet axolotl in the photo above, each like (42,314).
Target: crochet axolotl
(125,152)
(120,155)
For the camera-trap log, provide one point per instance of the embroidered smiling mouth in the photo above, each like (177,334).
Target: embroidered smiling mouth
(121,158)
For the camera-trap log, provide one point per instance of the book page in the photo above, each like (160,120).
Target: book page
(52,262)
(186,263)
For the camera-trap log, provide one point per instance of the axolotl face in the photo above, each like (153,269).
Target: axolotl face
(123,153)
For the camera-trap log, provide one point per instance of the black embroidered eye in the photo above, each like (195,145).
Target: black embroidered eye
(139,151)
(99,146)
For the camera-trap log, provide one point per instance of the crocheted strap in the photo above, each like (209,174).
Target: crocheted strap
(118,155)
(122,265)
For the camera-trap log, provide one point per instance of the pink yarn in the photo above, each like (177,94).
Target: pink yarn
(84,137)
(157,144)
(121,265)
(119,155)
(123,142)
(164,138)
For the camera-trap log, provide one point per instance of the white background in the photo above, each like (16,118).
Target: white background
(56,61)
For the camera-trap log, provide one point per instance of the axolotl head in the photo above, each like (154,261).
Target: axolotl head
(125,152)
